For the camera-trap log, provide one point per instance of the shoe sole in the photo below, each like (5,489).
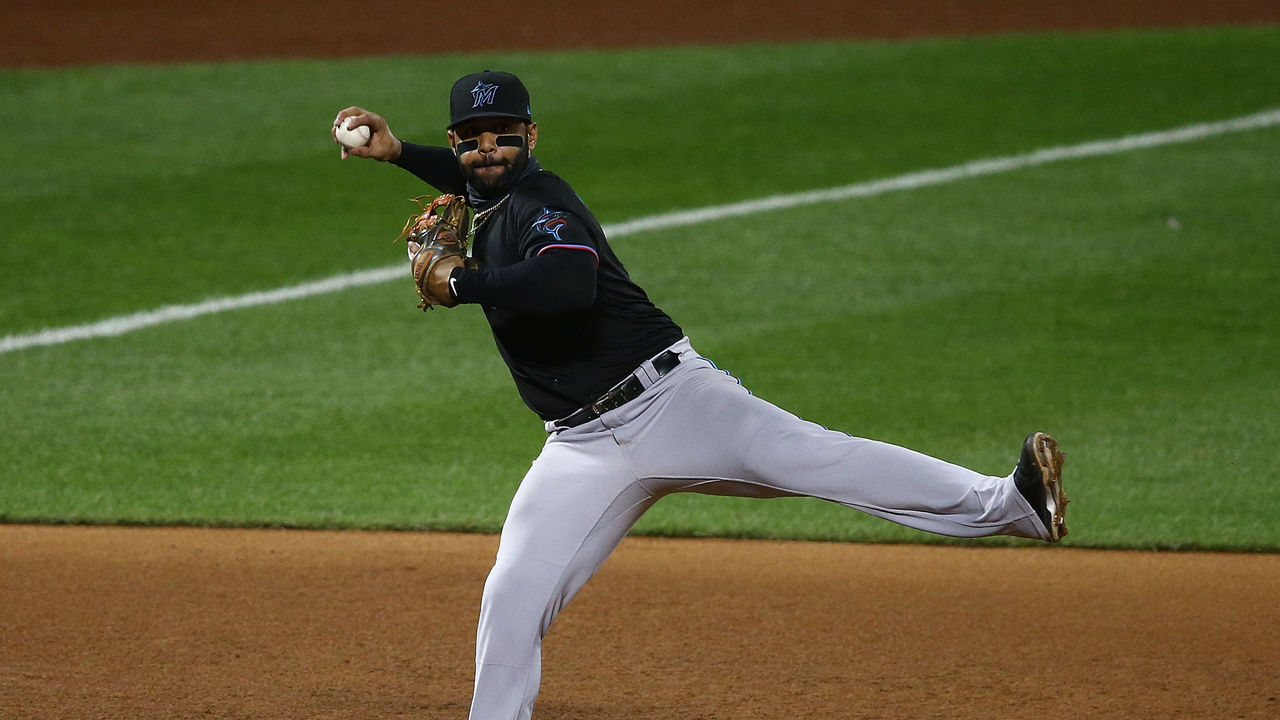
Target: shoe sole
(1050,461)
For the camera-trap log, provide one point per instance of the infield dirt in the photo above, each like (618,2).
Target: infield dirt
(169,623)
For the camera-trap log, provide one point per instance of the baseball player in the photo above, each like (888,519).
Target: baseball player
(631,410)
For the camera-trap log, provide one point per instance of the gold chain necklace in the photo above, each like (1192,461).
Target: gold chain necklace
(480,218)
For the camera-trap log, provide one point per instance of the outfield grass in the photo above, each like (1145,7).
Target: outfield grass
(1126,303)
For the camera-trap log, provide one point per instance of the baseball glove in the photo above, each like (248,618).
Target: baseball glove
(439,231)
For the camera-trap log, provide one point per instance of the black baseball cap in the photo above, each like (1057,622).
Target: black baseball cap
(488,94)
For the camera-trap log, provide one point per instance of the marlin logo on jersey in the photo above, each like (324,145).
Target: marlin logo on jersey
(483,93)
(550,223)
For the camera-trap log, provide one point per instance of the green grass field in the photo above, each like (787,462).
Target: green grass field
(1127,303)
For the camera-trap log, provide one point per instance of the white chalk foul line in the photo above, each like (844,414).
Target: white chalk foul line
(128,323)
(976,168)
(172,313)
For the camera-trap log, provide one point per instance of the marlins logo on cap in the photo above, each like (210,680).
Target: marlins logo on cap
(483,93)
(488,94)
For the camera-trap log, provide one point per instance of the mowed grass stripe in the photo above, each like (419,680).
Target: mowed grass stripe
(116,326)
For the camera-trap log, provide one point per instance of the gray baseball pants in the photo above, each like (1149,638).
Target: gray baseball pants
(694,430)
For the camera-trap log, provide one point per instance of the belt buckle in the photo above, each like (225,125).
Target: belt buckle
(603,404)
(623,393)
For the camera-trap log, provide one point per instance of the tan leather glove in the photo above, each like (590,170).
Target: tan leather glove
(437,239)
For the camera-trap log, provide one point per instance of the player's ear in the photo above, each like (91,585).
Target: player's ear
(453,142)
(533,134)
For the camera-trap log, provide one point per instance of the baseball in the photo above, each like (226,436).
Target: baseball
(352,138)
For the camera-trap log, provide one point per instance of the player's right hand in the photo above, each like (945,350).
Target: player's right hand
(383,146)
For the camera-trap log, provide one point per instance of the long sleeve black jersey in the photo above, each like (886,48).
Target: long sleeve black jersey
(567,318)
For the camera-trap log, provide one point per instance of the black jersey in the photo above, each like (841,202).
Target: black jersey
(567,318)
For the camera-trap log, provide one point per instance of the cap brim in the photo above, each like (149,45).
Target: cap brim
(473,116)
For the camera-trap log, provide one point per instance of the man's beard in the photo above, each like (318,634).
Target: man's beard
(492,186)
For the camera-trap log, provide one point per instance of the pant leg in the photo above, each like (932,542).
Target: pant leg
(707,434)
(576,503)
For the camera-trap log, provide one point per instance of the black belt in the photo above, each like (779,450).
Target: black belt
(621,394)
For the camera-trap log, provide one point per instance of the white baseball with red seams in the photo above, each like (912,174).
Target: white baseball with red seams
(351,137)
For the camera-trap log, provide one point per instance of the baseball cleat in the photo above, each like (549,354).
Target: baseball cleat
(1039,479)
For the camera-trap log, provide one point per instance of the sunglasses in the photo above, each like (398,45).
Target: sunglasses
(465,146)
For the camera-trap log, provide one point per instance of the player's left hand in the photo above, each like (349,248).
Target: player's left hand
(437,284)
(437,246)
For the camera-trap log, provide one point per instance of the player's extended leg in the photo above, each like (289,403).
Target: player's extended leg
(574,506)
(714,437)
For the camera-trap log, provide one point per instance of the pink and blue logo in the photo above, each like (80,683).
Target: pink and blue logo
(551,222)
